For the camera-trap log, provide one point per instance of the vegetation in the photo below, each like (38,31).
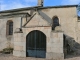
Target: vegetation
(8,50)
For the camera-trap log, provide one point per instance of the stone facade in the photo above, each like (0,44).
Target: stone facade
(69,25)
(54,43)
(7,40)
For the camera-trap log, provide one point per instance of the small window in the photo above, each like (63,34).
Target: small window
(55,23)
(9,28)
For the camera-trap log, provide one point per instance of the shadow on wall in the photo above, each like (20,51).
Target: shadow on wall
(71,47)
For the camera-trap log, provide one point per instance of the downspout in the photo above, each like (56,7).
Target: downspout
(21,25)
(21,22)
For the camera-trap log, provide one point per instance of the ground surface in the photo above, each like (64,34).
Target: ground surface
(71,57)
(74,58)
(11,57)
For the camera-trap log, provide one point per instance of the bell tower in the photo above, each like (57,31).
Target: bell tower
(40,2)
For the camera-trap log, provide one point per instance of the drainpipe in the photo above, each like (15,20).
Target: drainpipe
(20,29)
(21,22)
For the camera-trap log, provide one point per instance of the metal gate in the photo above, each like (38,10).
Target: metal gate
(36,44)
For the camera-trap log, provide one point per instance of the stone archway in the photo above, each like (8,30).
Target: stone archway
(36,44)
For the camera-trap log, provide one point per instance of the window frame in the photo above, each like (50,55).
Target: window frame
(9,25)
(55,22)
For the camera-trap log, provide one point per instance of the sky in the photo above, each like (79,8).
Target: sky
(14,4)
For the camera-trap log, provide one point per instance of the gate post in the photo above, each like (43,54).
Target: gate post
(55,46)
(18,44)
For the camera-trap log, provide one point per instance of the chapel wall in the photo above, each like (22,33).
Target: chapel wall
(7,41)
(67,19)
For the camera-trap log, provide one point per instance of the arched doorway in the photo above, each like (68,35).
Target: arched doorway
(36,44)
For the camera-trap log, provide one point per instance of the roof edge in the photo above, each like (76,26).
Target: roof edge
(40,7)
(60,6)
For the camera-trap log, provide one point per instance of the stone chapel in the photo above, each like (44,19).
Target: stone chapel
(42,32)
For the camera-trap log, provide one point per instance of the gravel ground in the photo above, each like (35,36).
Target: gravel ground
(71,57)
(11,57)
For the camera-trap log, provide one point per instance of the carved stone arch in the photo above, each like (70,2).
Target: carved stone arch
(55,22)
(9,27)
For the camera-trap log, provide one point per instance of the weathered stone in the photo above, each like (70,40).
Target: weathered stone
(18,30)
(19,53)
(54,39)
(18,48)
(55,56)
(58,28)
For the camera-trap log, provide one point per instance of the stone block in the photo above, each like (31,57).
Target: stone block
(57,45)
(58,28)
(46,27)
(19,48)
(61,40)
(18,30)
(48,49)
(24,47)
(58,56)
(57,50)
(19,53)
(19,43)
(23,54)
(17,39)
(55,56)
(54,35)
(55,40)
(49,44)
(60,34)
(49,55)
(48,39)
